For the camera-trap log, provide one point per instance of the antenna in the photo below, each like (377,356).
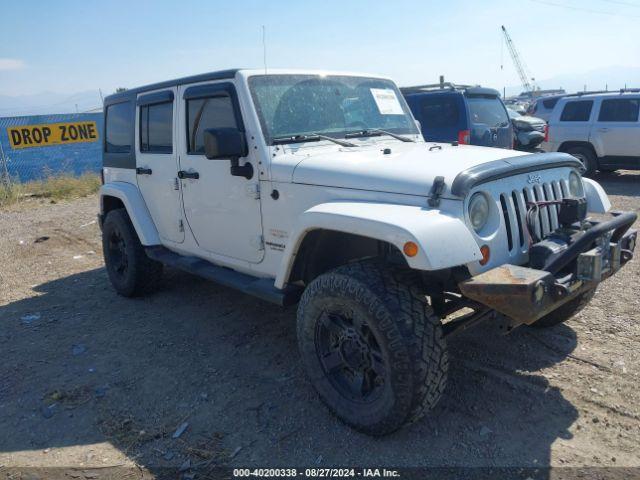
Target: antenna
(264,48)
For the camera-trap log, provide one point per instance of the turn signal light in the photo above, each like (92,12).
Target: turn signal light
(410,249)
(486,254)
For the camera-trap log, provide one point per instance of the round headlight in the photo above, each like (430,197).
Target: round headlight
(478,211)
(575,185)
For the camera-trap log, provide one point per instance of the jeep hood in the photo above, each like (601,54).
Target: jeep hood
(410,168)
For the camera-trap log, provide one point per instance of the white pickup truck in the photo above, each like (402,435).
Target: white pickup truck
(317,188)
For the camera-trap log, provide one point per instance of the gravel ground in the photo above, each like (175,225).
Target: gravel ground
(90,379)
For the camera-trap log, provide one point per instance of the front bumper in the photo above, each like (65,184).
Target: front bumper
(526,294)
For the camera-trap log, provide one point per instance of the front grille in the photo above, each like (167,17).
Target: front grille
(514,211)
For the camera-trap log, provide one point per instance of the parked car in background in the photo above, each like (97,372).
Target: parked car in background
(520,107)
(528,132)
(601,130)
(542,107)
(462,113)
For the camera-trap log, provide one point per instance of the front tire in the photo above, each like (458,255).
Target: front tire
(130,271)
(566,311)
(587,157)
(372,347)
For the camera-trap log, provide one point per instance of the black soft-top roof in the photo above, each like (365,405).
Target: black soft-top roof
(203,77)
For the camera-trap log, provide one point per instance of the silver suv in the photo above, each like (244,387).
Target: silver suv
(601,130)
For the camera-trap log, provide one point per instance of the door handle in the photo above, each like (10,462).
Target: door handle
(182,175)
(603,130)
(143,171)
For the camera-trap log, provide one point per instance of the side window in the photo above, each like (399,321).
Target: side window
(439,112)
(579,111)
(619,110)
(205,113)
(550,103)
(118,124)
(156,128)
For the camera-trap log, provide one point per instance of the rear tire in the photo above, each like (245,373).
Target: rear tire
(372,347)
(130,271)
(566,311)
(587,157)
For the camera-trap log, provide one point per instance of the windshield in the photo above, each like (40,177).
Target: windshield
(334,106)
(488,111)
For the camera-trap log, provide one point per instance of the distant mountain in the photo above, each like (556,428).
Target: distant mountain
(49,103)
(612,78)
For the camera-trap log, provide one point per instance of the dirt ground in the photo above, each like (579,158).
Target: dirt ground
(91,379)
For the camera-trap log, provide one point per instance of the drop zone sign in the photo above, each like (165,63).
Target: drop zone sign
(27,136)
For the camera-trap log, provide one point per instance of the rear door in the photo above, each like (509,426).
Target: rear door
(442,116)
(616,130)
(573,122)
(156,161)
(489,123)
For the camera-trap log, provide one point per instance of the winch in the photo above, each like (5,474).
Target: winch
(571,215)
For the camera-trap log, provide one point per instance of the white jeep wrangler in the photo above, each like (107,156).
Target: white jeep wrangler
(317,189)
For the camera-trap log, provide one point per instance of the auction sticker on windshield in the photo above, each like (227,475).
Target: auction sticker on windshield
(387,101)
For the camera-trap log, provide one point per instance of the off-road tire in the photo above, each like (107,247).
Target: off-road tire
(409,335)
(566,311)
(587,157)
(141,274)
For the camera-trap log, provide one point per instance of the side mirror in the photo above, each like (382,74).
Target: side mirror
(229,144)
(224,143)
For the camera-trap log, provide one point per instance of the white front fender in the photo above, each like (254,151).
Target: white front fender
(443,241)
(597,199)
(136,209)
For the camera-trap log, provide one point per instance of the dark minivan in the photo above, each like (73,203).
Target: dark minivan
(462,113)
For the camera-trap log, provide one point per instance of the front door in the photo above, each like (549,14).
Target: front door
(156,161)
(222,211)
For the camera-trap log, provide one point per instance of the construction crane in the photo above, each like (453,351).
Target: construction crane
(522,72)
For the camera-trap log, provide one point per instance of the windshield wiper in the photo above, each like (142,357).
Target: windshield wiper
(311,137)
(373,132)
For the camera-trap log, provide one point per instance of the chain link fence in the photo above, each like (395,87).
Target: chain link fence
(40,146)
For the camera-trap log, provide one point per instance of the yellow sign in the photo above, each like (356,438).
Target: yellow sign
(26,136)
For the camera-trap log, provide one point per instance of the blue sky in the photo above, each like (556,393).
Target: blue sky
(72,46)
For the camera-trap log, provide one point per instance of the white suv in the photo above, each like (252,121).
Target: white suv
(542,107)
(601,130)
(318,189)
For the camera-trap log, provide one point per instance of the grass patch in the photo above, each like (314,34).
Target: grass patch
(54,187)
